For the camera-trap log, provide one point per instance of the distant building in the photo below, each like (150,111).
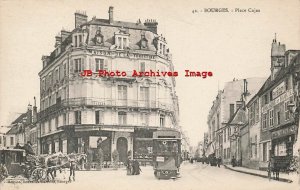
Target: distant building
(228,101)
(23,128)
(122,111)
(3,131)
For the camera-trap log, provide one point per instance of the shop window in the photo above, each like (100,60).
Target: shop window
(265,152)
(280,149)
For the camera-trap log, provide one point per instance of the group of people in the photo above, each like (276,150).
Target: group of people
(133,167)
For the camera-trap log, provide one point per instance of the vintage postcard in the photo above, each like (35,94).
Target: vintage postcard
(145,94)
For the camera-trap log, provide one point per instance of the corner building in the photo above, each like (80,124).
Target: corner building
(123,111)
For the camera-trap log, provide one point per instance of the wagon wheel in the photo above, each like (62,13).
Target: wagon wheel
(38,174)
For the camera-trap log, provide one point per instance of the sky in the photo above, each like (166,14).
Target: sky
(231,45)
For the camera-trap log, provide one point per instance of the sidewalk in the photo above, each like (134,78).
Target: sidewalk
(288,178)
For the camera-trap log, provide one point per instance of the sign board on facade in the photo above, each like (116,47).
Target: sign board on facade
(160,159)
(278,90)
(281,98)
(284,132)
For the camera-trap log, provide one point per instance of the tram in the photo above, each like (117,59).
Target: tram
(166,153)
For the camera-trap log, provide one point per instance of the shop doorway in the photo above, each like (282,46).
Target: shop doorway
(122,148)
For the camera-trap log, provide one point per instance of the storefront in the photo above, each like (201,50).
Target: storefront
(143,144)
(282,145)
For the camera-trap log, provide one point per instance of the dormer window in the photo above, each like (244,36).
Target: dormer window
(78,39)
(161,45)
(144,42)
(99,38)
(121,39)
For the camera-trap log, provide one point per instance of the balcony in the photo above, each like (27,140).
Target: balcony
(105,102)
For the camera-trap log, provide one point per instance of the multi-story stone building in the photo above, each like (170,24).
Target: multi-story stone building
(278,127)
(227,102)
(121,110)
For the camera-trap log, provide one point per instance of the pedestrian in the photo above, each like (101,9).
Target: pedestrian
(90,154)
(299,165)
(72,169)
(129,167)
(3,172)
(233,162)
(136,167)
(100,154)
(115,156)
(219,161)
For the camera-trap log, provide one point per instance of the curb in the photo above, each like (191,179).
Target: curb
(258,175)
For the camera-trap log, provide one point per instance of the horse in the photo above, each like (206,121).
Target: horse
(61,162)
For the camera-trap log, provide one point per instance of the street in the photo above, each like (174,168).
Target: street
(193,176)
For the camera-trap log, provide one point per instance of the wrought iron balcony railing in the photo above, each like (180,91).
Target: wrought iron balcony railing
(104,102)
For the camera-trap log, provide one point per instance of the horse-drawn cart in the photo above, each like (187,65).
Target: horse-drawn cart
(32,168)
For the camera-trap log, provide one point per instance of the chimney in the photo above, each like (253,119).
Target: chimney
(111,14)
(29,114)
(151,24)
(57,41)
(34,114)
(80,18)
(64,34)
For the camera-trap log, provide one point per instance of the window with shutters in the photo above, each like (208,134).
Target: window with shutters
(57,75)
(162,120)
(265,121)
(99,64)
(144,118)
(122,92)
(77,117)
(142,67)
(144,91)
(256,110)
(77,40)
(271,118)
(56,123)
(65,69)
(122,116)
(78,65)
(98,117)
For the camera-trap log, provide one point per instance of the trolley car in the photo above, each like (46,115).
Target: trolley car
(166,153)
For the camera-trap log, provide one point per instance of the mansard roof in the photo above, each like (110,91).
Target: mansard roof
(105,22)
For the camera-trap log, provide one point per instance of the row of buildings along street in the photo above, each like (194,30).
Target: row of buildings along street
(252,120)
(123,112)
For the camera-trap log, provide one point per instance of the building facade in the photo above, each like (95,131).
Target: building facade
(76,111)
(267,123)
(228,101)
